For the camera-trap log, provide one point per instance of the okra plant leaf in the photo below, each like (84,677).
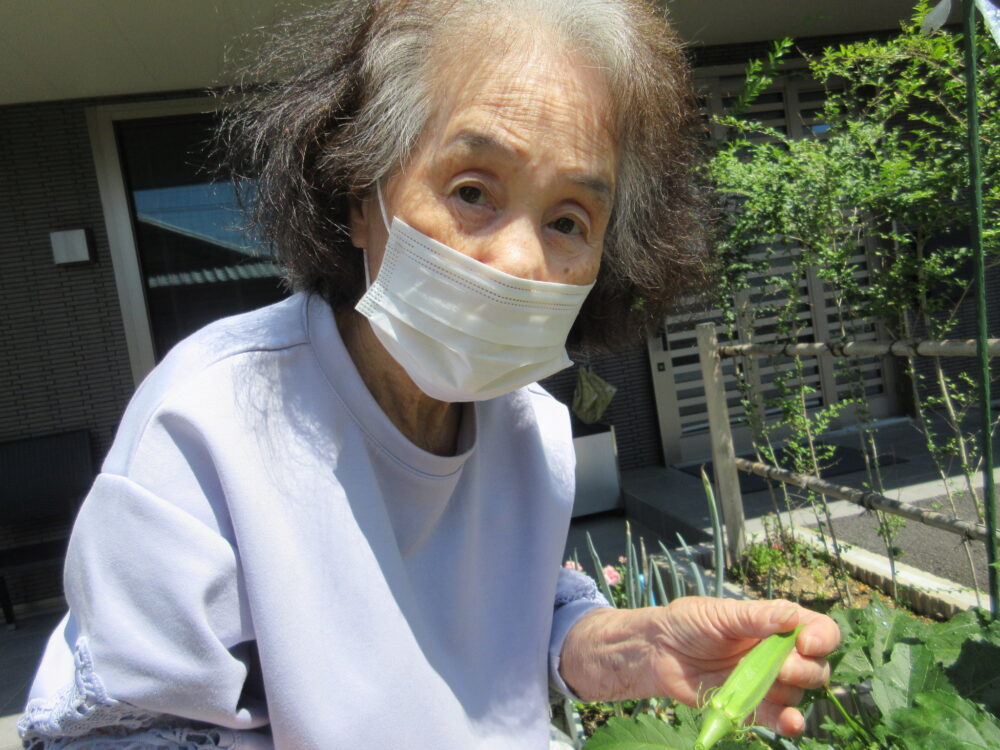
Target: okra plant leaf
(808,743)
(775,740)
(867,638)
(949,637)
(944,721)
(841,737)
(975,674)
(851,662)
(892,626)
(647,732)
(913,669)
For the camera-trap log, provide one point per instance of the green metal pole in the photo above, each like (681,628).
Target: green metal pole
(976,226)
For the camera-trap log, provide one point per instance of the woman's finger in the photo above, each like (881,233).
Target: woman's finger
(820,635)
(804,671)
(785,720)
(781,694)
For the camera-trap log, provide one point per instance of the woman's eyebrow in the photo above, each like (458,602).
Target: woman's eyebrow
(478,141)
(597,186)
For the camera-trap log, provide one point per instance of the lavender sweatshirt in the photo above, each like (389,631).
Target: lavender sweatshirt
(265,561)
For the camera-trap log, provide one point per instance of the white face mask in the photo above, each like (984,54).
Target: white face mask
(464,331)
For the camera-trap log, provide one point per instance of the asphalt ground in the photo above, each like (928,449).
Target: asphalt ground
(924,547)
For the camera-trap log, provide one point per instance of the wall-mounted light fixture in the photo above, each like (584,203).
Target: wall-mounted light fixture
(70,246)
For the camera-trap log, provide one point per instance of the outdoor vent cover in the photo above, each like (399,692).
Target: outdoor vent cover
(70,246)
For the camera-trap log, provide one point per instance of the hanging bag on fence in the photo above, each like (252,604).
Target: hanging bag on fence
(592,395)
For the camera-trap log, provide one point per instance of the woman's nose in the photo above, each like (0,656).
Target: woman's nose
(517,249)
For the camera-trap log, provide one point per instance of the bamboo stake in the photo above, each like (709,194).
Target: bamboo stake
(901,348)
(976,230)
(869,500)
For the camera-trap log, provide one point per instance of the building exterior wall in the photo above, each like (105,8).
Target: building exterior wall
(63,361)
(632,411)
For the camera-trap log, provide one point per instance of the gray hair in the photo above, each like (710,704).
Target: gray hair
(352,87)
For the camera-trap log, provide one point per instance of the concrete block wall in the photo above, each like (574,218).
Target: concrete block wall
(633,409)
(63,361)
(64,364)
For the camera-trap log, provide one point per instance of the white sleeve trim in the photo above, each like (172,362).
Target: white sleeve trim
(82,716)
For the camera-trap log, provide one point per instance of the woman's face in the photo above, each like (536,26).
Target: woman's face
(516,169)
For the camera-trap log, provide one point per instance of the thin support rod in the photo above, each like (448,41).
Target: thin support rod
(976,227)
(866,499)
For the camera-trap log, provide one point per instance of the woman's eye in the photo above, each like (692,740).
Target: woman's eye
(472,194)
(566,225)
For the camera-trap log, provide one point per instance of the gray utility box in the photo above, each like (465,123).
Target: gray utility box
(598,486)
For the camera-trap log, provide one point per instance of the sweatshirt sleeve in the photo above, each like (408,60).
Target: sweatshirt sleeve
(157,645)
(576,594)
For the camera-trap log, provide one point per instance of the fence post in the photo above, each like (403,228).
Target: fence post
(727,481)
(976,204)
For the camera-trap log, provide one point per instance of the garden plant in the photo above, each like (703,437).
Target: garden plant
(872,208)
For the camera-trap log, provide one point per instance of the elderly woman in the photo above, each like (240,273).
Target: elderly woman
(338,521)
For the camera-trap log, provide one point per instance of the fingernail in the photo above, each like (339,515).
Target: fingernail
(782,616)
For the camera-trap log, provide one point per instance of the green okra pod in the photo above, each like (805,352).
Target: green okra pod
(745,688)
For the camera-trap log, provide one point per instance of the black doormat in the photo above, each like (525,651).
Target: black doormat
(845,460)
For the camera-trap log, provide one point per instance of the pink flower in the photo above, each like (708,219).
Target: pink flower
(570,565)
(622,560)
(612,576)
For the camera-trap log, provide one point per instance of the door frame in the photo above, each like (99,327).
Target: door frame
(118,220)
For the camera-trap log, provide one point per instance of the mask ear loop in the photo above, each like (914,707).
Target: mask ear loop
(381,205)
(385,220)
(368,276)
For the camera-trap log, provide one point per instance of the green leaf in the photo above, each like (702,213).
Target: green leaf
(944,721)
(975,674)
(644,733)
(699,581)
(851,662)
(891,627)
(602,582)
(950,636)
(913,669)
(647,732)
(720,555)
(868,637)
(807,743)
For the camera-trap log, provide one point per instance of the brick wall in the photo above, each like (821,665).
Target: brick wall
(63,361)
(633,409)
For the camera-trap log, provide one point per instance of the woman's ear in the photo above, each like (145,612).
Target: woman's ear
(359,223)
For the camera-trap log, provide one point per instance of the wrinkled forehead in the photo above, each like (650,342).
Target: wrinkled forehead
(520,76)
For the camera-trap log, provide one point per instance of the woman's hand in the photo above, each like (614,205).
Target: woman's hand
(691,645)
